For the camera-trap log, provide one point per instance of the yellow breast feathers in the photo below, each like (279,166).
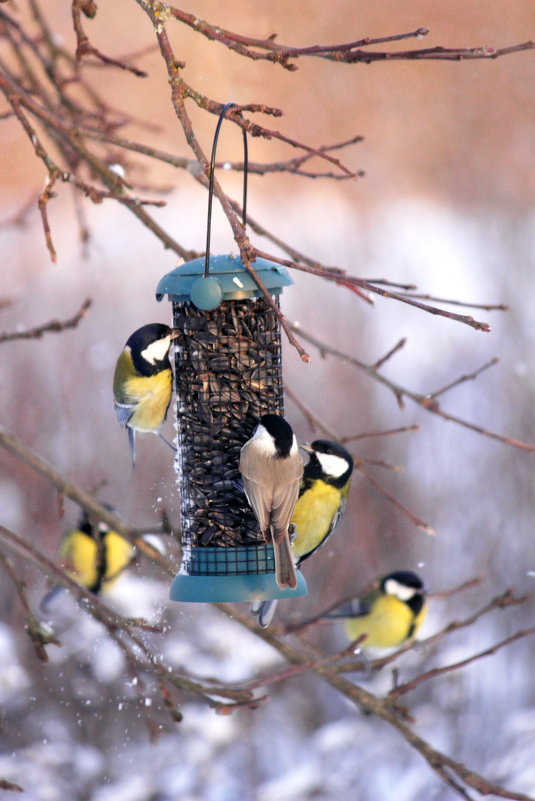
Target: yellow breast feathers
(313,515)
(389,624)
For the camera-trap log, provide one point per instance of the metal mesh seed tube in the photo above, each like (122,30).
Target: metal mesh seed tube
(228,373)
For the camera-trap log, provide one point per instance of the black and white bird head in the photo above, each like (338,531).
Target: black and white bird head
(149,348)
(274,436)
(406,586)
(329,461)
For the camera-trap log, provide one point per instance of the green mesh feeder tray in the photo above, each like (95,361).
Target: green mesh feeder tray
(240,573)
(228,373)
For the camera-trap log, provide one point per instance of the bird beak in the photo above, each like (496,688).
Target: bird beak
(175,333)
(307,448)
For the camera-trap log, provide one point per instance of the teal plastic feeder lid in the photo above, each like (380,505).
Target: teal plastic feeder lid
(227,280)
(222,574)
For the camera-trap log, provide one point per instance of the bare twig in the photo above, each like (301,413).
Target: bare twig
(401,689)
(397,347)
(369,435)
(55,326)
(397,503)
(140,656)
(425,401)
(451,771)
(463,378)
(11,786)
(483,306)
(37,633)
(352,281)
(312,419)
(350,52)
(465,585)
(84,48)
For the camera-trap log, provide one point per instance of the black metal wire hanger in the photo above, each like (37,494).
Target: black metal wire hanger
(224,110)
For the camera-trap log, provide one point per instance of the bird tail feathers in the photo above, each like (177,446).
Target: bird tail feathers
(132,443)
(285,574)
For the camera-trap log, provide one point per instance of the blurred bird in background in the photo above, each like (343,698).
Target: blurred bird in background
(390,615)
(142,382)
(271,468)
(93,555)
(320,506)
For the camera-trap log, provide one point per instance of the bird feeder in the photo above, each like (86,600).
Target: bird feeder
(228,373)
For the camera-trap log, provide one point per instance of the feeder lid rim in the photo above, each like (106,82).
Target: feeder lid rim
(229,270)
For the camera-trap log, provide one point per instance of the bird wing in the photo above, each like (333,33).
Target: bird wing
(284,499)
(285,494)
(254,491)
(338,515)
(272,507)
(356,608)
(124,412)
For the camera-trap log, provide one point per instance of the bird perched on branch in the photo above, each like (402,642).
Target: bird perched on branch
(389,615)
(142,382)
(271,468)
(320,506)
(93,555)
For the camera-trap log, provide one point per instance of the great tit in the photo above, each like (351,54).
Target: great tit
(322,496)
(94,556)
(319,508)
(389,615)
(142,381)
(271,468)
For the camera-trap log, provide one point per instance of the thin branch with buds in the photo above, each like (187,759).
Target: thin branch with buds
(401,689)
(427,402)
(54,326)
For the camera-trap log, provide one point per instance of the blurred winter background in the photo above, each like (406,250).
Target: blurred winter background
(447,204)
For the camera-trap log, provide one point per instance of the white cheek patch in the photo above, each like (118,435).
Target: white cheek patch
(401,591)
(156,351)
(332,465)
(264,441)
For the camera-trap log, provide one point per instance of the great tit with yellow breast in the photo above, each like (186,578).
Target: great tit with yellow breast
(93,555)
(142,381)
(319,508)
(389,615)
(271,468)
(322,496)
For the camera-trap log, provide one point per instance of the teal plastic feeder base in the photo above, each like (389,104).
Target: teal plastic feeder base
(218,574)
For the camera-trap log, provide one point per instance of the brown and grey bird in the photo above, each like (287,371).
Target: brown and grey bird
(271,467)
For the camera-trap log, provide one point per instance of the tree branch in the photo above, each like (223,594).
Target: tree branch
(451,771)
(427,402)
(55,326)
